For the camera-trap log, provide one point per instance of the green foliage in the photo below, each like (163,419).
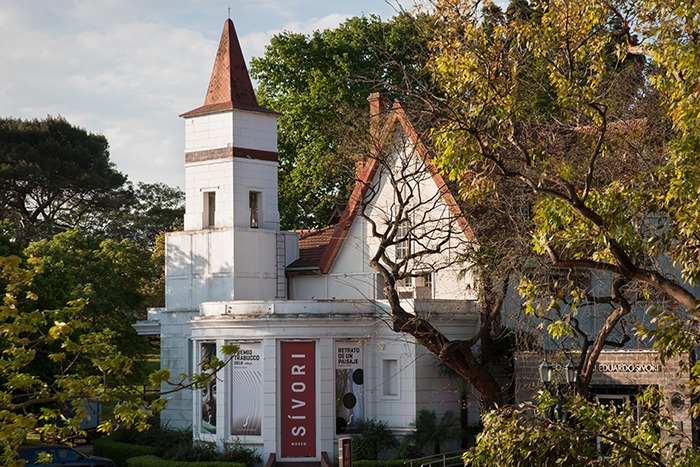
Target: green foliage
(432,432)
(156,208)
(373,439)
(107,275)
(317,82)
(406,448)
(587,155)
(556,98)
(55,176)
(120,452)
(525,435)
(85,364)
(379,463)
(153,461)
(178,445)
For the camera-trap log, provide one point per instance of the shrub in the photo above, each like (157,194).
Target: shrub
(407,448)
(236,452)
(173,445)
(153,461)
(373,439)
(165,440)
(380,463)
(120,452)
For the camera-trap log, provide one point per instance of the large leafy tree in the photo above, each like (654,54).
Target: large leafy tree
(55,176)
(155,208)
(55,358)
(496,207)
(556,102)
(316,81)
(84,361)
(108,275)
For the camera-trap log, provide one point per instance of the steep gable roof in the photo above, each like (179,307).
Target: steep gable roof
(230,86)
(396,118)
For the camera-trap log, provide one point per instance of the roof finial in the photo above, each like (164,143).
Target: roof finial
(229,12)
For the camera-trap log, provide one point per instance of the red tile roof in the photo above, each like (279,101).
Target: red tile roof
(312,245)
(230,86)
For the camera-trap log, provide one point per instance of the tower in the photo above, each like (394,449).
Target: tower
(231,247)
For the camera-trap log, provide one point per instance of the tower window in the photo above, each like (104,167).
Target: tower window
(209,209)
(254,203)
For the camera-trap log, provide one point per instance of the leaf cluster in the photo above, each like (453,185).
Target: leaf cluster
(54,176)
(317,81)
(53,362)
(591,433)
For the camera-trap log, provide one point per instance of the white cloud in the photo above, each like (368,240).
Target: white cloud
(128,68)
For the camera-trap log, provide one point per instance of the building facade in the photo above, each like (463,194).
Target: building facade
(316,352)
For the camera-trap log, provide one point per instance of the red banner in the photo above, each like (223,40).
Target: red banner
(298,399)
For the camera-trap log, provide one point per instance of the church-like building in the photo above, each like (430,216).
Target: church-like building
(317,352)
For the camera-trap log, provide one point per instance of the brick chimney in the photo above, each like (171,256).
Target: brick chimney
(378,105)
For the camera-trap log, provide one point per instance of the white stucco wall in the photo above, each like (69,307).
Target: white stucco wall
(176,356)
(324,323)
(239,128)
(223,264)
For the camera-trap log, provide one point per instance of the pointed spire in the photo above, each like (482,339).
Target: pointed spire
(229,86)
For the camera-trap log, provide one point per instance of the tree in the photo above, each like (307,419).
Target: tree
(592,159)
(156,208)
(109,276)
(417,230)
(372,439)
(315,81)
(593,434)
(54,361)
(85,362)
(55,176)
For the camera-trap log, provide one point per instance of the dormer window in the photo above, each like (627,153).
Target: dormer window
(254,203)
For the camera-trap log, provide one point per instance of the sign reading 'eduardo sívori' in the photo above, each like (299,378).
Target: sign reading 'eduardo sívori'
(627,367)
(298,399)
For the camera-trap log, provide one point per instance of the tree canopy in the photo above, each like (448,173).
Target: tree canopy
(317,82)
(55,176)
(554,98)
(108,275)
(80,362)
(155,208)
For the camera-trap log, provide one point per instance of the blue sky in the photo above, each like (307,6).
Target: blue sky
(128,68)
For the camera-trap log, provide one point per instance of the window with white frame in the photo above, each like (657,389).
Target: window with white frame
(403,241)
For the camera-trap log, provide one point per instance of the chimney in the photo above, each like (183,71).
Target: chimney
(378,105)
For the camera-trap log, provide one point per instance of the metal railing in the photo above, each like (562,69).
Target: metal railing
(447,459)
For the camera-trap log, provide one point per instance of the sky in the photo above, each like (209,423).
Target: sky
(127,68)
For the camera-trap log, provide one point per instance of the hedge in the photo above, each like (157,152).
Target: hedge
(120,452)
(380,463)
(153,461)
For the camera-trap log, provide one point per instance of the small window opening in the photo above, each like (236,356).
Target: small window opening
(210,208)
(254,202)
(390,370)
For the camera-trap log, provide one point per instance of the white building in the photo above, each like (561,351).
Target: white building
(316,352)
